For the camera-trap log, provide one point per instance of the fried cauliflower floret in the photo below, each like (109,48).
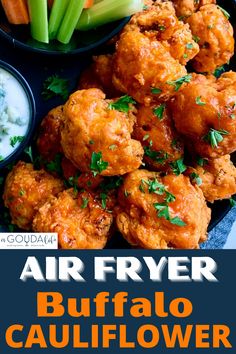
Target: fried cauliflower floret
(79,220)
(26,190)
(217,178)
(99,75)
(161,212)
(49,139)
(155,130)
(204,113)
(98,138)
(151,53)
(215,38)
(185,8)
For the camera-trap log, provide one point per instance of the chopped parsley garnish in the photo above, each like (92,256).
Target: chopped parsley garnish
(199,101)
(159,111)
(232,202)
(185,56)
(157,156)
(189,45)
(179,82)
(195,178)
(16,139)
(123,104)
(73,182)
(225,13)
(210,26)
(28,151)
(21,192)
(146,137)
(97,164)
(232,116)
(85,203)
(141,186)
(202,162)
(220,70)
(163,212)
(213,137)
(103,197)
(55,86)
(156,91)
(169,197)
(126,193)
(55,165)
(91,142)
(161,28)
(112,147)
(178,166)
(196,39)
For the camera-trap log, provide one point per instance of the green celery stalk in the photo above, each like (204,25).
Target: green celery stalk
(70,20)
(107,11)
(56,17)
(38,11)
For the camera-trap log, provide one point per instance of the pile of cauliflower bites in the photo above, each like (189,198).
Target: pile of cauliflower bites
(143,144)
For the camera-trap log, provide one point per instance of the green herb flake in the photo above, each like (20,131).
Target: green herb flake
(157,156)
(202,162)
(178,166)
(196,179)
(177,221)
(146,137)
(225,13)
(199,101)
(21,193)
(220,70)
(55,86)
(179,82)
(169,197)
(122,104)
(126,193)
(103,197)
(97,164)
(232,116)
(84,203)
(189,45)
(185,56)
(55,165)
(159,111)
(213,137)
(28,151)
(141,186)
(161,28)
(232,202)
(196,39)
(16,139)
(156,91)
(113,147)
(91,142)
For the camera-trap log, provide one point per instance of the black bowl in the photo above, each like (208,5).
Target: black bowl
(32,121)
(81,42)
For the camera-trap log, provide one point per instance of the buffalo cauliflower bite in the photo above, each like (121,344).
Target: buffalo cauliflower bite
(216,178)
(97,137)
(49,139)
(215,38)
(204,113)
(26,190)
(151,54)
(157,212)
(79,220)
(99,75)
(155,130)
(185,8)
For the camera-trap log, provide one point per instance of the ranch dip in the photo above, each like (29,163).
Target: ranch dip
(14,113)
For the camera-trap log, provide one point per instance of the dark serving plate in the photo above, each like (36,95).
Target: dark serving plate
(36,68)
(81,42)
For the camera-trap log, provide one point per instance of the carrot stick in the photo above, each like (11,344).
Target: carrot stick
(16,11)
(88,4)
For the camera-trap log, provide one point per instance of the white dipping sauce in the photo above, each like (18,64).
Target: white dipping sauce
(14,113)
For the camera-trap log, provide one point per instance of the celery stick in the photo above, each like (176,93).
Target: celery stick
(70,20)
(56,17)
(107,11)
(38,10)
